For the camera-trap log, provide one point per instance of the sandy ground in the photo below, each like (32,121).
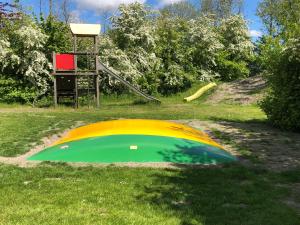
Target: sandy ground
(247,91)
(22,159)
(270,147)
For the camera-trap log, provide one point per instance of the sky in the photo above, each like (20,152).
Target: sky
(90,11)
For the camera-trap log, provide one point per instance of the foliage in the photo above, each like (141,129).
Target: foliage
(282,105)
(131,27)
(13,89)
(23,58)
(117,61)
(166,52)
(238,49)
(130,48)
(182,10)
(172,48)
(205,45)
(280,58)
(268,10)
(59,35)
(235,38)
(158,51)
(229,69)
(221,9)
(173,80)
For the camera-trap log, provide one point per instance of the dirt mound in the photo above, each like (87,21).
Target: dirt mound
(247,91)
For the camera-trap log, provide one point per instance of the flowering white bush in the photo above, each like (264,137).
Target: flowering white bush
(133,27)
(203,35)
(175,52)
(205,46)
(172,79)
(117,61)
(129,51)
(33,62)
(7,56)
(236,37)
(21,54)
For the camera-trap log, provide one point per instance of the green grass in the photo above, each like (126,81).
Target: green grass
(61,194)
(23,126)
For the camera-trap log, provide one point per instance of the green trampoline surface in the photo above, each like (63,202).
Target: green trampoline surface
(134,148)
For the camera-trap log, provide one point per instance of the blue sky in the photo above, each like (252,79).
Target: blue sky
(89,10)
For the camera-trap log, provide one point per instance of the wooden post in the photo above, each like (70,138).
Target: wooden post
(75,51)
(76,91)
(97,71)
(97,91)
(54,74)
(55,93)
(76,78)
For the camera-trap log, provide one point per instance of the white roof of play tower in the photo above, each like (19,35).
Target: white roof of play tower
(85,29)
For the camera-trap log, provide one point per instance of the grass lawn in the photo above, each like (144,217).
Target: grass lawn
(60,194)
(20,127)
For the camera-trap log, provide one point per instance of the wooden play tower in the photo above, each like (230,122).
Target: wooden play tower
(70,80)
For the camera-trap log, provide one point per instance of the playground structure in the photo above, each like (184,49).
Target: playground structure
(120,141)
(136,141)
(70,80)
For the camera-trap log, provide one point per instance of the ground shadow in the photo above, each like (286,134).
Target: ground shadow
(229,195)
(190,153)
(274,148)
(234,193)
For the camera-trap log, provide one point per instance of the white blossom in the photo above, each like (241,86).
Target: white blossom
(21,51)
(236,38)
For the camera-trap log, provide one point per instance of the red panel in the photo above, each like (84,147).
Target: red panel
(65,62)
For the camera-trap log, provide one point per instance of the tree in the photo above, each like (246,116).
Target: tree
(23,65)
(50,8)
(208,7)
(59,36)
(236,38)
(233,61)
(9,11)
(267,10)
(133,34)
(181,10)
(221,8)
(66,11)
(172,48)
(205,45)
(280,57)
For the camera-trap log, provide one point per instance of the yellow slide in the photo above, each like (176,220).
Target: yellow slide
(200,92)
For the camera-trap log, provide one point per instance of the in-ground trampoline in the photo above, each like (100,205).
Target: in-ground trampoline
(136,141)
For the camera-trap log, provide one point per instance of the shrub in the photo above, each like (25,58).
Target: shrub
(22,60)
(205,45)
(15,90)
(231,70)
(238,49)
(282,105)
(174,80)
